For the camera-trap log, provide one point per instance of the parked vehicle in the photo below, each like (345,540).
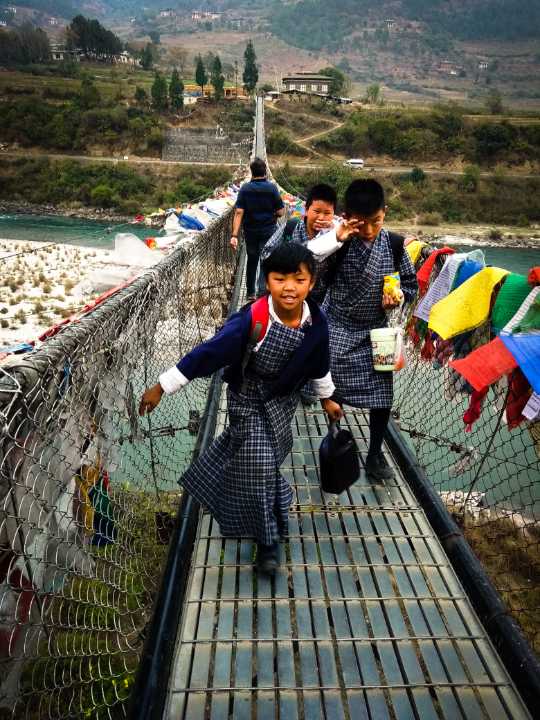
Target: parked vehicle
(354,163)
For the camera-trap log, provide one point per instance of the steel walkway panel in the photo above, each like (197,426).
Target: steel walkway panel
(364,619)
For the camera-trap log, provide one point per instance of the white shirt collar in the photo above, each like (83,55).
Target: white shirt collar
(306,313)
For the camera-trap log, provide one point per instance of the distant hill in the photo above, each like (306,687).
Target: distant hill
(316,24)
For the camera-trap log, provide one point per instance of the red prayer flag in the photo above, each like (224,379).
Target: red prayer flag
(485,365)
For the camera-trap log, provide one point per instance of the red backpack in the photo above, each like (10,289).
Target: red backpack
(260,317)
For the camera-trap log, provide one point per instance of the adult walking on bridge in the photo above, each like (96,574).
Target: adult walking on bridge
(258,207)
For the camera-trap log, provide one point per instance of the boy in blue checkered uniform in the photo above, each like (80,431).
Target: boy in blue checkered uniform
(238,477)
(355,256)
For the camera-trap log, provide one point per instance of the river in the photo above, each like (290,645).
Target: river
(73,231)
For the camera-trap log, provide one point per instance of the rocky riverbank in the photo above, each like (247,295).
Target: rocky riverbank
(480,235)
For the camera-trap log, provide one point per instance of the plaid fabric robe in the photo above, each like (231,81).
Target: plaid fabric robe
(353,305)
(238,477)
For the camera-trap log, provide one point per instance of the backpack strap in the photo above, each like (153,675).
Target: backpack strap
(290,227)
(260,317)
(397,243)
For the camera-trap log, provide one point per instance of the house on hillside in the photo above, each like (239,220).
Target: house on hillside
(54,22)
(59,53)
(229,93)
(310,83)
(167,13)
(204,15)
(125,58)
(483,65)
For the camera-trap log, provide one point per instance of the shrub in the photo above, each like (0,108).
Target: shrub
(4,323)
(430,218)
(417,176)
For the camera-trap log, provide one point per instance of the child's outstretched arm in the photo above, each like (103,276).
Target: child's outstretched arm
(225,348)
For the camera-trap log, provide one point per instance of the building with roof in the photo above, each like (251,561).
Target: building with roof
(304,82)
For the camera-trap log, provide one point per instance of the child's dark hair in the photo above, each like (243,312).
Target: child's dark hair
(321,192)
(287,258)
(364,197)
(258,168)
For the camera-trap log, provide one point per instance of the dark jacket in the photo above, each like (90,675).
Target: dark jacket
(227,348)
(260,200)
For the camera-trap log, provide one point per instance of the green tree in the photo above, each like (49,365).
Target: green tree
(470,178)
(141,96)
(250,76)
(89,96)
(154,36)
(417,176)
(217,79)
(339,81)
(147,57)
(493,102)
(201,78)
(159,93)
(176,91)
(373,94)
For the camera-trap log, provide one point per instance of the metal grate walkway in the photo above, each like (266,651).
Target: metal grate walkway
(365,619)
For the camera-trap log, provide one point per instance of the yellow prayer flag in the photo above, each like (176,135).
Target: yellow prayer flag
(467,307)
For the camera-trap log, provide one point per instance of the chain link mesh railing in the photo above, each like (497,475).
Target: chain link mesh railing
(489,478)
(89,489)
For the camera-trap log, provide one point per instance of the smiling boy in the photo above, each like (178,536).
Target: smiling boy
(319,215)
(238,477)
(358,254)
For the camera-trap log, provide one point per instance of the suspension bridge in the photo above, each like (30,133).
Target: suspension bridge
(119,597)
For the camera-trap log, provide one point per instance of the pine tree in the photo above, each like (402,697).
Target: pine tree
(217,79)
(201,78)
(147,58)
(159,93)
(141,96)
(176,91)
(251,73)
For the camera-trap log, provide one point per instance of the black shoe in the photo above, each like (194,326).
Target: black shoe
(377,468)
(267,558)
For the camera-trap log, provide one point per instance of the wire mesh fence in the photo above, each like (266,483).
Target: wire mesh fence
(489,477)
(89,490)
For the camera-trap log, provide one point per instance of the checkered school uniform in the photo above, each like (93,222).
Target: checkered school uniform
(238,477)
(353,305)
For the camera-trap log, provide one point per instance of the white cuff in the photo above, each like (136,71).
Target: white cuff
(324,245)
(324,387)
(172,380)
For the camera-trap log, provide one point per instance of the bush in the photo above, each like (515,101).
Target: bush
(430,218)
(103,196)
(4,323)
(417,176)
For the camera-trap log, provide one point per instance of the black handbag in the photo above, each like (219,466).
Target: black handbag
(339,463)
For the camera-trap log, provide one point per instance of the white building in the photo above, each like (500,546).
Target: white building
(124,58)
(168,12)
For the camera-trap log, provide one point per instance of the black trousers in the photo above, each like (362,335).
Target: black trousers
(255,241)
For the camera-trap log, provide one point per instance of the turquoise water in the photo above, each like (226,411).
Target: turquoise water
(44,228)
(71,231)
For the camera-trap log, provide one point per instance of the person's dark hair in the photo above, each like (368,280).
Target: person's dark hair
(321,192)
(287,258)
(258,167)
(364,197)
